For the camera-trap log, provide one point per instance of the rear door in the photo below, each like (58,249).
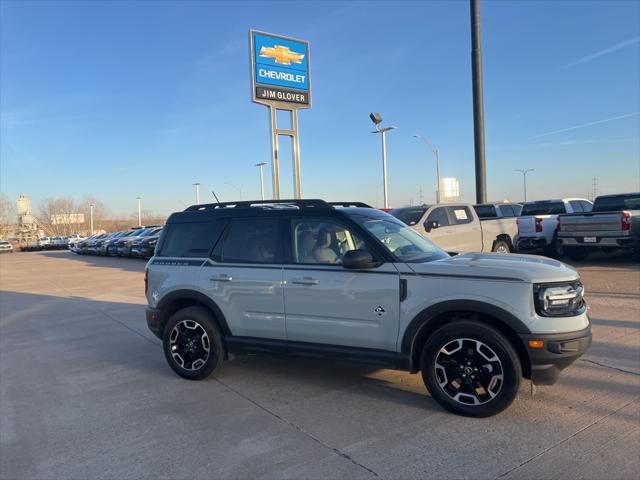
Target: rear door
(468,236)
(444,235)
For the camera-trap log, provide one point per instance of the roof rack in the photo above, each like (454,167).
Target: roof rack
(350,204)
(301,204)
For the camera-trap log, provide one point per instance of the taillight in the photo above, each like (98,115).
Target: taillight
(146,281)
(538,224)
(558,226)
(625,221)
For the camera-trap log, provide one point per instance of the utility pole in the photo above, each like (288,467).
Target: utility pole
(478,104)
(139,212)
(91,218)
(437,155)
(524,179)
(420,197)
(260,165)
(197,185)
(595,187)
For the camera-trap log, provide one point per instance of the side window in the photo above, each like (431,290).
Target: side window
(322,242)
(586,206)
(189,239)
(507,211)
(249,240)
(576,206)
(439,215)
(461,215)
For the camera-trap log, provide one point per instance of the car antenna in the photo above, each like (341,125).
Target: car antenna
(214,194)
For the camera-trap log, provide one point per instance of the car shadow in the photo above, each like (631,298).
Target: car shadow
(122,263)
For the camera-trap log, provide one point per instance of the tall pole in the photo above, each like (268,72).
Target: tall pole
(260,165)
(197,185)
(91,218)
(139,212)
(437,155)
(384,169)
(478,104)
(524,179)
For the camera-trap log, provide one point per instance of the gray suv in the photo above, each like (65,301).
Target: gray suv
(351,283)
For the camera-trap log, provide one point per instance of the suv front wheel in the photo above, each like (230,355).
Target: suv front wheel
(192,343)
(470,368)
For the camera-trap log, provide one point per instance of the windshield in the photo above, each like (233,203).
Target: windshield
(619,202)
(409,215)
(402,241)
(546,208)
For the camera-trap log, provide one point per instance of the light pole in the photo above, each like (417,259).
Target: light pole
(260,165)
(91,218)
(437,155)
(237,188)
(524,179)
(197,185)
(377,119)
(139,212)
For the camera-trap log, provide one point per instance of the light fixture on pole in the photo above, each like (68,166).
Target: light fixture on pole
(139,212)
(376,118)
(437,155)
(197,185)
(236,187)
(260,165)
(524,179)
(91,218)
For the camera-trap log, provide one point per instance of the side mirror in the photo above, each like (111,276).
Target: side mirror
(358,259)
(431,224)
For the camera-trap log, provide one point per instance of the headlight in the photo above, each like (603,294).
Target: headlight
(559,299)
(152,242)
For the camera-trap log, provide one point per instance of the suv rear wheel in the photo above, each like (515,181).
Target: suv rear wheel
(471,369)
(192,343)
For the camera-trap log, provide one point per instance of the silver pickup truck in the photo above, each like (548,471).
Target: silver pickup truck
(613,224)
(455,227)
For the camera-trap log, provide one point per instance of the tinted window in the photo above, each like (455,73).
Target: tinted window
(576,205)
(190,239)
(460,215)
(439,215)
(485,211)
(617,202)
(318,241)
(543,208)
(410,216)
(249,240)
(507,211)
(586,206)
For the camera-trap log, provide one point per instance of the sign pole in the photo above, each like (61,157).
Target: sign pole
(297,182)
(275,162)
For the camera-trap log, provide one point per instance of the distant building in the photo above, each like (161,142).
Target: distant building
(25,217)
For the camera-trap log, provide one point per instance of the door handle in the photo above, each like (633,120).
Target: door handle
(223,277)
(305,281)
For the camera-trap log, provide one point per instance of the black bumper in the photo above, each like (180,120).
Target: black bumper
(153,321)
(559,351)
(531,243)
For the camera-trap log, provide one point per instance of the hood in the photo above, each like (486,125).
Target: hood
(512,267)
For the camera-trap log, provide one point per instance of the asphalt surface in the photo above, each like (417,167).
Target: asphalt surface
(85,393)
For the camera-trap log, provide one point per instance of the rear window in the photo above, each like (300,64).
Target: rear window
(410,216)
(485,211)
(190,239)
(616,203)
(545,208)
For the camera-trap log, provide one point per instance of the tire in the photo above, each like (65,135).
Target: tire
(501,246)
(480,344)
(190,347)
(555,249)
(577,254)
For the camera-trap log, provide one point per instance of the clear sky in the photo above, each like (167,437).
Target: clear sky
(120,99)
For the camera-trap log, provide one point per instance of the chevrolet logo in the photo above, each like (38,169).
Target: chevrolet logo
(282,55)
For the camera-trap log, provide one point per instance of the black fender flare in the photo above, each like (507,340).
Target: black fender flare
(195,296)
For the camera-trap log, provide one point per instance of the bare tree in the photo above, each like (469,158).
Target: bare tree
(8,215)
(59,216)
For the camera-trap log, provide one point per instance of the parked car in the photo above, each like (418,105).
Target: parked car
(497,210)
(143,246)
(456,228)
(613,224)
(43,242)
(538,224)
(356,284)
(73,240)
(6,247)
(83,247)
(123,245)
(108,245)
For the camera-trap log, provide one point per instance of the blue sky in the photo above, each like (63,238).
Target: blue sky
(120,99)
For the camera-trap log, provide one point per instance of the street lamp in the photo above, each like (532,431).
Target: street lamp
(260,165)
(237,188)
(91,218)
(376,118)
(197,185)
(435,152)
(139,212)
(524,179)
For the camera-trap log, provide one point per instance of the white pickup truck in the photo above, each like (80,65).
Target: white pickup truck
(538,224)
(455,227)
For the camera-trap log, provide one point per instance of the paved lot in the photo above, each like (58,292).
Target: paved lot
(85,393)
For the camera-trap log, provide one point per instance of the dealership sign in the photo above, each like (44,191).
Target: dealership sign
(280,71)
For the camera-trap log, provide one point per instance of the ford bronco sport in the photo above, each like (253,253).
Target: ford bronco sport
(352,283)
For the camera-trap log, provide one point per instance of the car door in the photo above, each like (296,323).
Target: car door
(328,304)
(467,235)
(244,279)
(444,234)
